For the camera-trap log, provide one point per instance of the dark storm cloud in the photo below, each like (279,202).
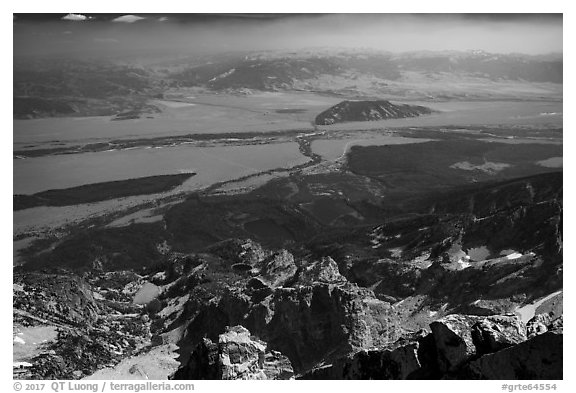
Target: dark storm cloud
(181,34)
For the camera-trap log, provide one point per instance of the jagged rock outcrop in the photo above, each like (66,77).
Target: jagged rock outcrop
(400,360)
(312,323)
(331,328)
(323,271)
(541,323)
(453,338)
(537,358)
(318,316)
(237,251)
(497,332)
(277,366)
(239,356)
(369,111)
(557,324)
(459,347)
(278,269)
(236,356)
(309,313)
(202,364)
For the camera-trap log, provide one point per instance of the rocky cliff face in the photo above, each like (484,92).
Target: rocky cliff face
(538,358)
(369,111)
(398,360)
(236,356)
(331,328)
(318,317)
(459,346)
(299,316)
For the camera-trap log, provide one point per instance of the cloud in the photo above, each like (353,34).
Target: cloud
(128,18)
(75,17)
(184,34)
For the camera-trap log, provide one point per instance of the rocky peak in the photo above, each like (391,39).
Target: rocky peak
(323,271)
(278,269)
(453,338)
(542,323)
(236,356)
(497,332)
(238,251)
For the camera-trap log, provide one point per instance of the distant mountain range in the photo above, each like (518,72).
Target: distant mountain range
(269,70)
(81,87)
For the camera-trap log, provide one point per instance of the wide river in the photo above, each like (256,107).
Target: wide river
(201,119)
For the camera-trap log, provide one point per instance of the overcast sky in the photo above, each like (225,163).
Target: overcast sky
(103,35)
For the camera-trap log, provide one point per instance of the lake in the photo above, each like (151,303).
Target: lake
(212,164)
